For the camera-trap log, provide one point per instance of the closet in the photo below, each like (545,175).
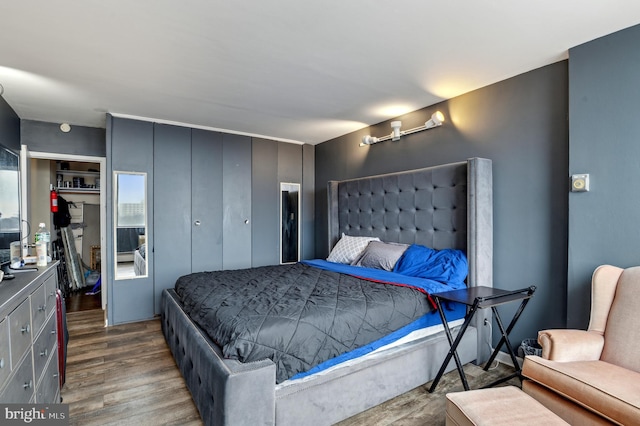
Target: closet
(202,207)
(212,203)
(79,184)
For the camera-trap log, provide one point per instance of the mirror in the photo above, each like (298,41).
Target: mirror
(289,222)
(9,204)
(130,223)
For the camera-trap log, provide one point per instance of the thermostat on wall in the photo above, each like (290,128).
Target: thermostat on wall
(580,183)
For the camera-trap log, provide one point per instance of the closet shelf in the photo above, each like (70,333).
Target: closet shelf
(77,173)
(63,190)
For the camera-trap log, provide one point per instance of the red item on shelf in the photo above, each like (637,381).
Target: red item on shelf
(54,201)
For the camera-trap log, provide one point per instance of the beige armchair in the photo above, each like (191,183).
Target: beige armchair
(593,376)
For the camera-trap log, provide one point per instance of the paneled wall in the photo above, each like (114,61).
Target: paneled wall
(213,203)
(129,149)
(520,124)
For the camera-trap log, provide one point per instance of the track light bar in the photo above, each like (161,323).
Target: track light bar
(437,118)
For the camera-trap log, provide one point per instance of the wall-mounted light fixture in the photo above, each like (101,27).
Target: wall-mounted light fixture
(437,118)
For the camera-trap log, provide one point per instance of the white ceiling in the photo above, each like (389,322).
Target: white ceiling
(294,70)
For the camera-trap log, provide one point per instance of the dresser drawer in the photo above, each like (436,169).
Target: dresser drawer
(5,352)
(50,287)
(20,387)
(48,388)
(20,331)
(44,346)
(38,309)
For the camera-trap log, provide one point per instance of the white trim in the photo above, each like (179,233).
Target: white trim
(197,126)
(504,358)
(65,157)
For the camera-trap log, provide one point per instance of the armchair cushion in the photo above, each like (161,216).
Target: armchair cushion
(571,345)
(606,389)
(622,335)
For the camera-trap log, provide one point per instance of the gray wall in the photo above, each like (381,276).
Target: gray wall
(40,136)
(520,124)
(308,202)
(129,149)
(9,126)
(604,103)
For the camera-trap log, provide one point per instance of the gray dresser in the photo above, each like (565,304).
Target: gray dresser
(28,338)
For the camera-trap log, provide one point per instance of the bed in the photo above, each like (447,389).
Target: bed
(442,207)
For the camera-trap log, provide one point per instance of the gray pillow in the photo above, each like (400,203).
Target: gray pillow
(379,255)
(349,248)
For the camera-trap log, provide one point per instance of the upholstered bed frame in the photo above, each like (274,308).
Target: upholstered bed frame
(447,206)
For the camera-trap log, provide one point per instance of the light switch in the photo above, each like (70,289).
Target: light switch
(580,183)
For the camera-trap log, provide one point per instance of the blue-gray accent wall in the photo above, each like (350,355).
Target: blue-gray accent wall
(9,126)
(520,124)
(41,136)
(604,108)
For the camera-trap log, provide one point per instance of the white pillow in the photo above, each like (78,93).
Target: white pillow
(349,248)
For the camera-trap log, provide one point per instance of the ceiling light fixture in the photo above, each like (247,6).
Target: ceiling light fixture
(437,118)
(65,127)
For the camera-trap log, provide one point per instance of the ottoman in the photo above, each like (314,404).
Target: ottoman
(497,406)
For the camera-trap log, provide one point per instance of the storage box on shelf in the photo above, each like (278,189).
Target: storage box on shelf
(78,181)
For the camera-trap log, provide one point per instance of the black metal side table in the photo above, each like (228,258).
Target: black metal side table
(481,297)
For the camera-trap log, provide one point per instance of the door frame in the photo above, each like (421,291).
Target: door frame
(25,155)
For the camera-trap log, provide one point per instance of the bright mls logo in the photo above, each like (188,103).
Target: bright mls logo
(35,414)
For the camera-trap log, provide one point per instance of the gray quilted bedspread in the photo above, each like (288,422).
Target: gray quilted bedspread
(296,315)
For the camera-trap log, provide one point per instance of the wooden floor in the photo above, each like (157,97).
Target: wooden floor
(81,301)
(125,375)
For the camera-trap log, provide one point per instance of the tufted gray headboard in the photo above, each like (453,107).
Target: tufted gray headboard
(446,206)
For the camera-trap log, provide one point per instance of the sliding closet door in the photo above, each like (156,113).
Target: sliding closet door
(206,201)
(236,200)
(265,231)
(172,206)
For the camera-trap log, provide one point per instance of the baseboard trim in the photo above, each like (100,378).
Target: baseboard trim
(505,359)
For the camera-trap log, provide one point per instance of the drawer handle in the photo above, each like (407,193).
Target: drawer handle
(28,384)
(45,352)
(55,375)
(42,308)
(53,331)
(26,329)
(2,363)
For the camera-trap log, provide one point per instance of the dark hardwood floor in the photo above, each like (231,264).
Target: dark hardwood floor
(81,301)
(125,375)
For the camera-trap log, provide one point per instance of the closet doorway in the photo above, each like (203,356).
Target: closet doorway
(80,182)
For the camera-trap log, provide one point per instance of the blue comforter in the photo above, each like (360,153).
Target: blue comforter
(425,285)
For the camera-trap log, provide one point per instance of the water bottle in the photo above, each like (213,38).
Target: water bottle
(43,245)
